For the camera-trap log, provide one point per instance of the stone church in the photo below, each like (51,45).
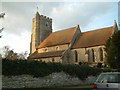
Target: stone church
(69,45)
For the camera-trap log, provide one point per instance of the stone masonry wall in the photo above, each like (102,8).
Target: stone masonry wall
(53,80)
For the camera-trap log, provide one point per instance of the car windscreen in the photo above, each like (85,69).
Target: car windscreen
(109,78)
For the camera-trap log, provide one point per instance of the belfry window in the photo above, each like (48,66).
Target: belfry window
(47,23)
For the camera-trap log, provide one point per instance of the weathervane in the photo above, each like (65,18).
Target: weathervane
(37,7)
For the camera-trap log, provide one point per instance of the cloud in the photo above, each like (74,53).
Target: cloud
(119,13)
(16,42)
(71,14)
(19,14)
(18,18)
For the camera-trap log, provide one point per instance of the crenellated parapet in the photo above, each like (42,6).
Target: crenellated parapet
(45,17)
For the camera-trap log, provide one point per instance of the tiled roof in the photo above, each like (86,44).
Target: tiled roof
(93,38)
(59,37)
(37,55)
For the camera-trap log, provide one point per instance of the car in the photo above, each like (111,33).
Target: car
(107,81)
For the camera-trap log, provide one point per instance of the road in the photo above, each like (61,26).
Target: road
(81,87)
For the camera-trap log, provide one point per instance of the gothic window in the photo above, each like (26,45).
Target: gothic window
(88,52)
(53,60)
(91,56)
(76,56)
(101,54)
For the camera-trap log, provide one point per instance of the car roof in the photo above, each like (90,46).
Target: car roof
(111,73)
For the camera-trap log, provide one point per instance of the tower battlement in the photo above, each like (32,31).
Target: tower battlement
(45,17)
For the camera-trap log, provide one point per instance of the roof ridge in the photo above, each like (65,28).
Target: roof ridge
(64,29)
(52,51)
(98,29)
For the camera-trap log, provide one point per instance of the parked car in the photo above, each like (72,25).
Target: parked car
(107,81)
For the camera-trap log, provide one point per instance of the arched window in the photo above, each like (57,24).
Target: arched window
(91,56)
(53,60)
(101,54)
(76,56)
(88,52)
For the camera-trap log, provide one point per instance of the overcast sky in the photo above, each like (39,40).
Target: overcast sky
(18,19)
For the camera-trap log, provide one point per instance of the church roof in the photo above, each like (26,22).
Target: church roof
(94,37)
(59,37)
(37,55)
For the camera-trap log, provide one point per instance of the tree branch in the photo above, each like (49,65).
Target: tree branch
(2,15)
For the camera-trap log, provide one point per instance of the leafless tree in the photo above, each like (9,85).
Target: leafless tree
(11,55)
(22,56)
(2,16)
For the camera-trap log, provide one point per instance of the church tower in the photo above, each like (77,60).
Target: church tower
(41,28)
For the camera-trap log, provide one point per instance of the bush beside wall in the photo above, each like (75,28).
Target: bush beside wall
(41,69)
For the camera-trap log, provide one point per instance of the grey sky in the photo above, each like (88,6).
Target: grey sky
(119,13)
(18,18)
(19,15)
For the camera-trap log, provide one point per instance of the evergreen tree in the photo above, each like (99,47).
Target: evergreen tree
(112,49)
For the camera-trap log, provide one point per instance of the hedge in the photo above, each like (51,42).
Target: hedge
(41,69)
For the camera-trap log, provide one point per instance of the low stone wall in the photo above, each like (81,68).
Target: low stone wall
(53,80)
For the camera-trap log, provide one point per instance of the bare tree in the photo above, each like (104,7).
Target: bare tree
(11,55)
(22,56)
(2,16)
(5,50)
